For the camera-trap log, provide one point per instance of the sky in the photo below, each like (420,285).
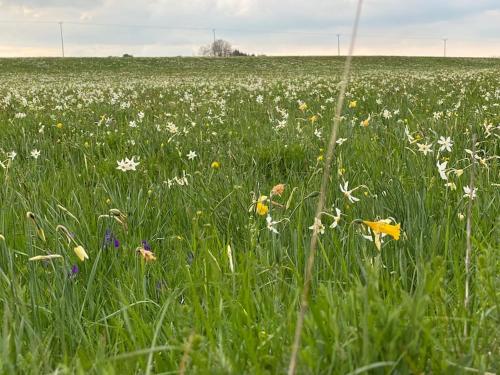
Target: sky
(270,27)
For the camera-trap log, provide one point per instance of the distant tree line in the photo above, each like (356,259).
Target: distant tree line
(221,48)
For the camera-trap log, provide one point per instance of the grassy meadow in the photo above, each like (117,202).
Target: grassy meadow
(144,228)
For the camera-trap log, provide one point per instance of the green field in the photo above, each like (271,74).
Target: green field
(187,272)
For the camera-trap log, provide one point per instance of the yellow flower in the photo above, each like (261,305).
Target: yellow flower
(303,107)
(262,209)
(313,119)
(81,253)
(353,103)
(59,125)
(383,226)
(147,255)
(215,165)
(366,122)
(319,158)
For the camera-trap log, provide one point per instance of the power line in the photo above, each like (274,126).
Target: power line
(241,30)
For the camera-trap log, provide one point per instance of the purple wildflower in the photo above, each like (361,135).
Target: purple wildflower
(146,245)
(107,236)
(110,239)
(74,271)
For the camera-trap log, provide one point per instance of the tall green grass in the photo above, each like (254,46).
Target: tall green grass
(397,311)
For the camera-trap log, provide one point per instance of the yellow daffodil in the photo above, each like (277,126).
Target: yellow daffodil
(383,227)
(81,253)
(303,107)
(261,208)
(353,103)
(215,165)
(366,122)
(59,125)
(313,119)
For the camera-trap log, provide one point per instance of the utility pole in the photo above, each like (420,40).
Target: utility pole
(62,39)
(338,44)
(213,44)
(444,46)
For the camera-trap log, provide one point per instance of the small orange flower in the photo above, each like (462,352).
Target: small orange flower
(147,255)
(278,189)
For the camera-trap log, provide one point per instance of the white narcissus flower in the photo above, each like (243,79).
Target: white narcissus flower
(470,193)
(442,169)
(446,144)
(191,155)
(425,149)
(271,225)
(340,141)
(348,193)
(35,153)
(409,136)
(318,226)
(336,218)
(127,164)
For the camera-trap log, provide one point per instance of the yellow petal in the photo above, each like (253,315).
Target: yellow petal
(81,253)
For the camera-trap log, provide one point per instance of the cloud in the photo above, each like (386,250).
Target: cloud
(104,27)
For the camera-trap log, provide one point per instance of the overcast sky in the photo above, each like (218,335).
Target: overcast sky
(272,27)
